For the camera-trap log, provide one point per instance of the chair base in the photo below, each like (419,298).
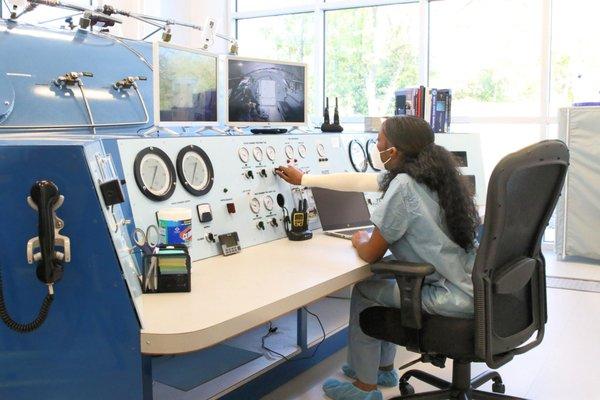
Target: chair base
(462,386)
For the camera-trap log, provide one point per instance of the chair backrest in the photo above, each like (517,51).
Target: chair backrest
(509,275)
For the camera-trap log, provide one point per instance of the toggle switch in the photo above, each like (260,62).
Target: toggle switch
(249,175)
(231,208)
(263,173)
(274,223)
(261,226)
(210,238)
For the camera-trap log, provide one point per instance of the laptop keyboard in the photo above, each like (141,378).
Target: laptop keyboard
(351,232)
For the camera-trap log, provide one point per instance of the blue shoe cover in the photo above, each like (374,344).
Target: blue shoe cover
(337,390)
(384,378)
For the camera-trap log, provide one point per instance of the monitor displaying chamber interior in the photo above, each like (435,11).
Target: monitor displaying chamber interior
(185,83)
(264,92)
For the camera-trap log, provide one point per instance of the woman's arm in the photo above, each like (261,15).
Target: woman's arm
(346,182)
(370,248)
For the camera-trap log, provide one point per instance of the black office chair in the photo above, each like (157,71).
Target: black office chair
(509,282)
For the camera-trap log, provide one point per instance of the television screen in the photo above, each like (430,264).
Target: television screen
(265,92)
(187,85)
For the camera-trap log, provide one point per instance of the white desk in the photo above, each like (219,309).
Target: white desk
(233,294)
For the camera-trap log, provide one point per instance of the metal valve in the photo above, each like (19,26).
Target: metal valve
(128,82)
(71,78)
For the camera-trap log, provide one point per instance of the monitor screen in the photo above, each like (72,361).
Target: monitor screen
(265,92)
(338,210)
(186,86)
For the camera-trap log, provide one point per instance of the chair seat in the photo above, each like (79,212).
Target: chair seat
(456,342)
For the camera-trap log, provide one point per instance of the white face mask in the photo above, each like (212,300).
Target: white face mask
(376,158)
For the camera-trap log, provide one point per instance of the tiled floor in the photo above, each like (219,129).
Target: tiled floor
(565,366)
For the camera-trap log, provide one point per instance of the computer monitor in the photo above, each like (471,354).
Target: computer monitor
(340,210)
(185,86)
(265,93)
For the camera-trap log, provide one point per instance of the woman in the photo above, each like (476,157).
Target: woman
(426,215)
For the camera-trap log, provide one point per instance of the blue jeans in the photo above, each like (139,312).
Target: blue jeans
(367,354)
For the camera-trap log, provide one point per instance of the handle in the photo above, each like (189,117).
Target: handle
(45,195)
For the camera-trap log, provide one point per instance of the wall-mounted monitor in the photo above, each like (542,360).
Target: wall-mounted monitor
(264,93)
(185,86)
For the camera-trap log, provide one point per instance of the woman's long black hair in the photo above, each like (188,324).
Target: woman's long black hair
(436,168)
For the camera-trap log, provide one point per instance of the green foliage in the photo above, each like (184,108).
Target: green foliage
(486,88)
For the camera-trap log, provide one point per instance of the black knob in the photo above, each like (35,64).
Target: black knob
(261,226)
(263,173)
(250,175)
(274,222)
(210,237)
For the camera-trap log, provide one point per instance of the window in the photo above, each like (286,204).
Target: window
(489,53)
(283,38)
(256,5)
(370,52)
(575,56)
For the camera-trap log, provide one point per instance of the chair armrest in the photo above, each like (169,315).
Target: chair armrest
(409,277)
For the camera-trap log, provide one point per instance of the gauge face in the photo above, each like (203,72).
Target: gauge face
(244,154)
(302,151)
(195,170)
(289,152)
(321,150)
(357,156)
(371,144)
(154,174)
(268,203)
(255,205)
(258,154)
(271,153)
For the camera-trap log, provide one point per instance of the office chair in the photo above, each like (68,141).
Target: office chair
(509,283)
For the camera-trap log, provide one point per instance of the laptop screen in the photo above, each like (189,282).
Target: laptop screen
(339,210)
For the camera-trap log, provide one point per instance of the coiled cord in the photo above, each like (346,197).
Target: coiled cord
(24,328)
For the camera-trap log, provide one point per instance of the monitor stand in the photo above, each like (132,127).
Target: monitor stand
(156,129)
(235,130)
(210,128)
(299,129)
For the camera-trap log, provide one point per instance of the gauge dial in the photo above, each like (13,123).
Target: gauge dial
(357,156)
(268,202)
(271,153)
(258,154)
(195,170)
(244,154)
(321,150)
(154,174)
(255,205)
(289,152)
(371,143)
(302,151)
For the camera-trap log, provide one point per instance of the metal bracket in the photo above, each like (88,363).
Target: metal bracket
(59,240)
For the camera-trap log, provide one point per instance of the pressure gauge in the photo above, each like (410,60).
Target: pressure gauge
(271,153)
(289,151)
(321,150)
(302,151)
(268,202)
(258,154)
(371,143)
(195,170)
(255,205)
(357,156)
(154,174)
(244,154)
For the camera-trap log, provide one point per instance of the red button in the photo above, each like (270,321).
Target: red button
(231,208)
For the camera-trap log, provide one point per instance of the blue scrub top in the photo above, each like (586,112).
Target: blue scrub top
(412,222)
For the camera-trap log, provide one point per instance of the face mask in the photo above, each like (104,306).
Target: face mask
(376,158)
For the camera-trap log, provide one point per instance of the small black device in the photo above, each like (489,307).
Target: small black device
(230,243)
(112,193)
(296,224)
(268,131)
(327,126)
(168,270)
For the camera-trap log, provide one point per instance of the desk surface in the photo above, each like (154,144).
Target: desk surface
(233,294)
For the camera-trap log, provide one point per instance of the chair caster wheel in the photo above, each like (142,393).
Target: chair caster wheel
(406,388)
(498,387)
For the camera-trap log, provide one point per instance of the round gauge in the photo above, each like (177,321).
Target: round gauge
(357,156)
(195,170)
(154,174)
(255,205)
(321,150)
(258,154)
(244,154)
(289,151)
(302,151)
(371,143)
(268,203)
(271,153)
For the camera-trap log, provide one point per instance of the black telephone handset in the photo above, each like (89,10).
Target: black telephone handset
(46,196)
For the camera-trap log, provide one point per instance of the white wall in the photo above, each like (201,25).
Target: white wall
(191,11)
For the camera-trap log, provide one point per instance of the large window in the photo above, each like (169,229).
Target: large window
(370,52)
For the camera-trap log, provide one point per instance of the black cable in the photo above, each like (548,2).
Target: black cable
(31,326)
(273,329)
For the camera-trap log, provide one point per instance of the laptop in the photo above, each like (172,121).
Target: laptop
(342,213)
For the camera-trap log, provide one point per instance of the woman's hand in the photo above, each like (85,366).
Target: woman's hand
(359,238)
(370,247)
(290,174)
